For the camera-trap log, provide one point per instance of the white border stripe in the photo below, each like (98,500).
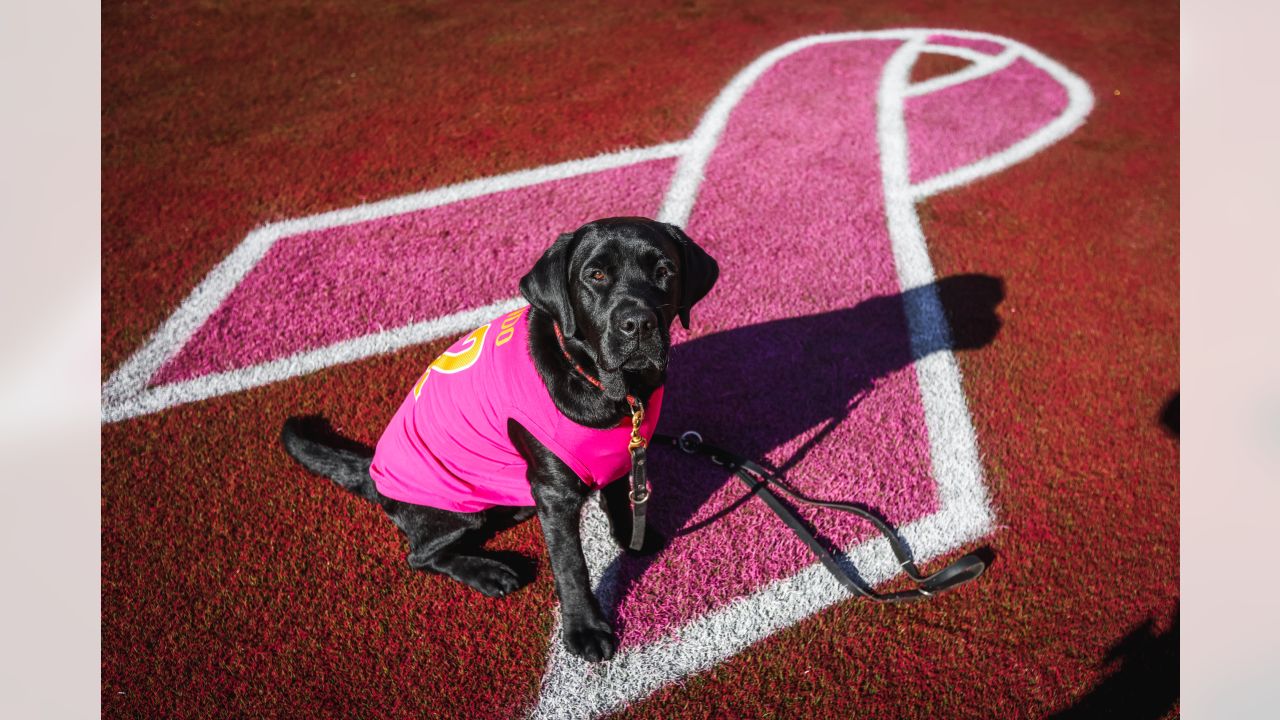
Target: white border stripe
(953,447)
(131,378)
(477,188)
(212,385)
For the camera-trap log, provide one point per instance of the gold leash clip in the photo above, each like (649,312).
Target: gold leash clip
(637,419)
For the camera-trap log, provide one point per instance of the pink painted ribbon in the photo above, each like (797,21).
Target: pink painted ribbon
(800,356)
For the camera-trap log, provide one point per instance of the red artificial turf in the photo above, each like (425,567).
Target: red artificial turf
(235,584)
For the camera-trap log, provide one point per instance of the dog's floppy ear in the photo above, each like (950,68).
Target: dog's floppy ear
(546,286)
(699,272)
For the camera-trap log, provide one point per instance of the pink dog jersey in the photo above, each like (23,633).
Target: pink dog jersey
(447,446)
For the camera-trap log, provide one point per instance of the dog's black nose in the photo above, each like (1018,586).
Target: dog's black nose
(636,321)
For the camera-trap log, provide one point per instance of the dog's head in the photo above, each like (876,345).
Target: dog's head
(616,284)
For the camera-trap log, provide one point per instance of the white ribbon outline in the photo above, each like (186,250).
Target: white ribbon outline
(571,687)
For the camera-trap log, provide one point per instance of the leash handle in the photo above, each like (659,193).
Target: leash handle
(761,482)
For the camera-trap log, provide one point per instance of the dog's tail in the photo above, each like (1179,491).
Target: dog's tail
(313,443)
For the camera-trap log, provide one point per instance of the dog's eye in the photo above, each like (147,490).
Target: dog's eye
(598,275)
(663,272)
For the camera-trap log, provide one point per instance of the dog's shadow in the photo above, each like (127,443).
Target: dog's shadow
(754,388)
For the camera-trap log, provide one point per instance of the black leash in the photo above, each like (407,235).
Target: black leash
(760,482)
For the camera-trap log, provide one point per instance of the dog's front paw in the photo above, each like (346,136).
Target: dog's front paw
(590,639)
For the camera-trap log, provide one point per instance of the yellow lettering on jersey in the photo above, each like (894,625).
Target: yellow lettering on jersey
(508,326)
(452,362)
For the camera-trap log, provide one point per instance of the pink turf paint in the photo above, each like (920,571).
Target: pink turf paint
(317,288)
(964,123)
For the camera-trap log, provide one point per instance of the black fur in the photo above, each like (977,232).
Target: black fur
(700,272)
(304,439)
(613,286)
(559,495)
(544,286)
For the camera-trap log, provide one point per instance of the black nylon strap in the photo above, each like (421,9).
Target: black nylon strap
(639,496)
(761,482)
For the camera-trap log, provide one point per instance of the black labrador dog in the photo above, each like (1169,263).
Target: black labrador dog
(612,288)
